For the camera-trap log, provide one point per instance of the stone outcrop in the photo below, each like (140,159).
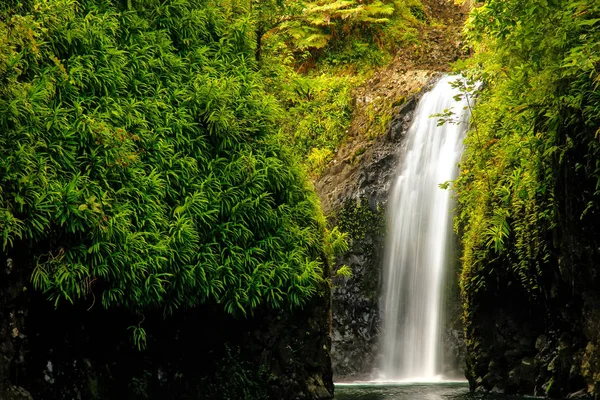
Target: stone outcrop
(358,180)
(545,343)
(13,340)
(363,167)
(75,353)
(355,301)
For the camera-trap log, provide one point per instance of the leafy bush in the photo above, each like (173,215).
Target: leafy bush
(318,110)
(540,107)
(138,161)
(324,23)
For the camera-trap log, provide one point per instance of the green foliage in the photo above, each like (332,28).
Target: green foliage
(139,164)
(320,111)
(139,385)
(342,32)
(318,107)
(317,160)
(539,62)
(344,271)
(323,23)
(338,44)
(337,244)
(313,54)
(359,220)
(139,336)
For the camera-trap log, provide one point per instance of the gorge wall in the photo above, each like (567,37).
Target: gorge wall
(548,344)
(354,192)
(76,353)
(354,189)
(528,199)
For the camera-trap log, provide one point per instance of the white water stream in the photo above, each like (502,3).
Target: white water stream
(419,239)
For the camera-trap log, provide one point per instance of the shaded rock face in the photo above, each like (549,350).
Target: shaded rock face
(355,301)
(501,342)
(519,345)
(361,213)
(13,341)
(547,344)
(371,175)
(355,193)
(453,336)
(73,353)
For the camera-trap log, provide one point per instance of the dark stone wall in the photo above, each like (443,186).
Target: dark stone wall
(547,344)
(75,353)
(13,340)
(361,213)
(355,301)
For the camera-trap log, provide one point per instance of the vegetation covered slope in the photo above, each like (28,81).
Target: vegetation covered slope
(139,154)
(528,196)
(148,155)
(315,54)
(139,161)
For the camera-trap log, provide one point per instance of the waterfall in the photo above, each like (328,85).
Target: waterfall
(419,237)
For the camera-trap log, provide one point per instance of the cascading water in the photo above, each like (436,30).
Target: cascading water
(418,239)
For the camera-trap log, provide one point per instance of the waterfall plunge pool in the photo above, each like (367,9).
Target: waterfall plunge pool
(448,390)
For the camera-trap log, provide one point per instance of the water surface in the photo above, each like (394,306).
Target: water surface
(438,391)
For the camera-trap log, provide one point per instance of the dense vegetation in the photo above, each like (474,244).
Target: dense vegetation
(141,164)
(533,143)
(315,53)
(139,161)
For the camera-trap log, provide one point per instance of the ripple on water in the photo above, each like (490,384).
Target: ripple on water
(413,391)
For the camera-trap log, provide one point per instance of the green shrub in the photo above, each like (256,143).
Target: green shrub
(139,163)
(540,106)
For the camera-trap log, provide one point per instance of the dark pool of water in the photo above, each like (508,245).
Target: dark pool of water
(430,391)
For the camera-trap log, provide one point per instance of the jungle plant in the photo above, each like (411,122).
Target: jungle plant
(539,109)
(323,22)
(139,161)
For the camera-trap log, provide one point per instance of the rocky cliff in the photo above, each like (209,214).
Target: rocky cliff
(354,191)
(354,188)
(13,341)
(547,343)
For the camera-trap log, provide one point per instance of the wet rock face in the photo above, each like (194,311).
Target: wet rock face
(296,351)
(355,301)
(502,357)
(370,175)
(361,213)
(511,350)
(453,335)
(354,194)
(13,340)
